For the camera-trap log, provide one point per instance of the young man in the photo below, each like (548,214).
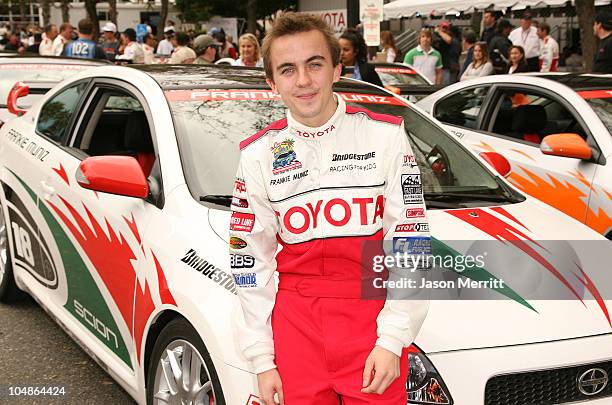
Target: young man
(602,28)
(426,59)
(527,36)
(315,341)
(46,46)
(110,45)
(467,43)
(132,50)
(549,49)
(489,21)
(148,48)
(499,48)
(205,48)
(165,46)
(65,35)
(182,52)
(84,47)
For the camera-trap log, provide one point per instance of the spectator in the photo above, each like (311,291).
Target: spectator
(230,39)
(65,35)
(110,45)
(490,22)
(206,49)
(165,46)
(602,28)
(425,59)
(480,66)
(148,48)
(84,47)
(392,52)
(227,50)
(353,55)
(250,53)
(182,53)
(469,39)
(527,37)
(132,51)
(13,43)
(517,64)
(34,48)
(450,48)
(46,46)
(549,49)
(500,47)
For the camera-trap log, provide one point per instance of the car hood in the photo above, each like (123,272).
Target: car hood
(541,244)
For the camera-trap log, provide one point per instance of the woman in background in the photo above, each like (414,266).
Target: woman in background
(480,65)
(387,42)
(250,53)
(518,63)
(353,55)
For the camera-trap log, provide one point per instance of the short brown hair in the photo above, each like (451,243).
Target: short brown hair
(545,27)
(86,26)
(294,23)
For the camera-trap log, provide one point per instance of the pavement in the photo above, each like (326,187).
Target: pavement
(35,351)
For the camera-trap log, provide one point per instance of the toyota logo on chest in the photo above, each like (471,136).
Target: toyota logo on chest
(592,381)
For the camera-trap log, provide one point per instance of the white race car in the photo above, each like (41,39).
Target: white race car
(115,196)
(555,129)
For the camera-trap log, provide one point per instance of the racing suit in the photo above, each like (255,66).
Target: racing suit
(549,54)
(319,193)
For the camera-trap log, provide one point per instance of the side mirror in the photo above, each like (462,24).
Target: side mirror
(498,161)
(19,90)
(566,145)
(121,175)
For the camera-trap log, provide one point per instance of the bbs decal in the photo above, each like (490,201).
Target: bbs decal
(241,261)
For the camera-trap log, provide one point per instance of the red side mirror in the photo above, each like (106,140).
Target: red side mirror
(121,175)
(498,161)
(19,90)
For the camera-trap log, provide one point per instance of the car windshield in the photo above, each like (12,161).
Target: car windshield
(33,74)
(211,123)
(603,108)
(396,76)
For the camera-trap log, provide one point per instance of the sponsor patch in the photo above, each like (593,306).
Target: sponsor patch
(241,261)
(285,158)
(237,243)
(353,156)
(245,280)
(412,188)
(415,245)
(242,222)
(409,161)
(288,178)
(418,227)
(306,134)
(239,185)
(415,212)
(240,202)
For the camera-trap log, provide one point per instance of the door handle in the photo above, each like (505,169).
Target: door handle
(47,189)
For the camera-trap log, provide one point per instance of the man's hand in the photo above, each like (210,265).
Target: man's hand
(385,366)
(269,383)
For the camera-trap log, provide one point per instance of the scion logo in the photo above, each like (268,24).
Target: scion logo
(593,381)
(241,261)
(215,274)
(95,323)
(237,243)
(366,209)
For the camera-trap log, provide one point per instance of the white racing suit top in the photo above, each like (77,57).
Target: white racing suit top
(320,192)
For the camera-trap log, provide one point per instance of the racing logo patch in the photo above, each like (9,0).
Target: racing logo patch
(237,243)
(239,185)
(285,158)
(241,261)
(407,228)
(242,222)
(240,202)
(415,212)
(412,245)
(245,279)
(412,188)
(409,161)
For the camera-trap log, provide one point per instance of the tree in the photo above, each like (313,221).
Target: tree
(585,9)
(162,20)
(65,10)
(112,11)
(22,14)
(46,11)
(92,14)
(251,16)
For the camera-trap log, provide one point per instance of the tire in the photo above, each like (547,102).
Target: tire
(178,338)
(8,289)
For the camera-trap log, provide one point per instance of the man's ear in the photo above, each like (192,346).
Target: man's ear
(337,72)
(272,85)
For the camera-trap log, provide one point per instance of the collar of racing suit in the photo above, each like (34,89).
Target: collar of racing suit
(322,132)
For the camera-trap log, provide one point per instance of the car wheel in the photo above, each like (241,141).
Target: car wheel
(8,290)
(181,370)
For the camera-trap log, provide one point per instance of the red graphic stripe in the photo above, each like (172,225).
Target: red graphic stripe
(133,227)
(62,173)
(508,215)
(390,119)
(586,281)
(164,291)
(275,126)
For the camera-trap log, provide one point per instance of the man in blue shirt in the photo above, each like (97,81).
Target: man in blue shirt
(84,47)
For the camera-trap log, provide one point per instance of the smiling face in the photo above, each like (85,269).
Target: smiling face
(515,55)
(247,50)
(303,74)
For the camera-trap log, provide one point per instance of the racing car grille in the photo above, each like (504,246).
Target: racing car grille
(554,386)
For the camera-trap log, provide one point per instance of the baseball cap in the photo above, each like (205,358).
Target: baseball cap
(109,27)
(169,29)
(201,42)
(444,24)
(604,17)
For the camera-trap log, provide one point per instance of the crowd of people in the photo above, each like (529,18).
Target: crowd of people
(444,54)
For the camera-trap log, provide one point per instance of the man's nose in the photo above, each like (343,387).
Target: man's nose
(303,79)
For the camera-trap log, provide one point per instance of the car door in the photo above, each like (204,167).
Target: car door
(99,234)
(512,120)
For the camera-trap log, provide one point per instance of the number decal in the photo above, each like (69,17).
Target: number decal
(80,48)
(23,243)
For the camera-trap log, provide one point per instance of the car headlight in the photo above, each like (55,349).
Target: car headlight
(425,385)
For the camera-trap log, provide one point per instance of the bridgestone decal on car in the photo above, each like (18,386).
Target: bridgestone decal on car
(82,288)
(225,280)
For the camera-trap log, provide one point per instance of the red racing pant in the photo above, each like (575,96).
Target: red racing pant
(322,337)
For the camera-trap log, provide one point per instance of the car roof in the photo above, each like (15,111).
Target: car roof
(172,77)
(580,81)
(49,60)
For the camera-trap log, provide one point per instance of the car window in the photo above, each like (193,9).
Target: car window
(211,124)
(397,76)
(530,116)
(56,113)
(462,108)
(602,105)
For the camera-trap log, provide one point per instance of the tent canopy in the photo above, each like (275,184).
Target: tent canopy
(409,8)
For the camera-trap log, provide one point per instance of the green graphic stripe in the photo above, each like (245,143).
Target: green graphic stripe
(477,273)
(91,309)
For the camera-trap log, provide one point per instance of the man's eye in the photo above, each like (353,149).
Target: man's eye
(287,71)
(316,65)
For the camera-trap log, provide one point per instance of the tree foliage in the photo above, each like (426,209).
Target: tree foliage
(197,10)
